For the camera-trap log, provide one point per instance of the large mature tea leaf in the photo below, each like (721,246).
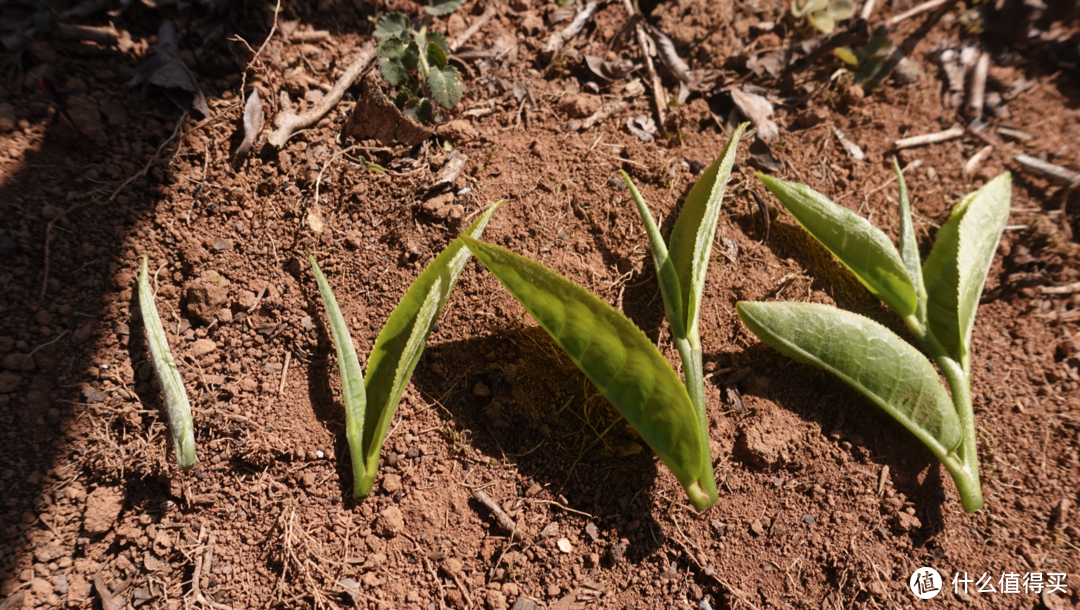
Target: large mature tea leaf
(618,358)
(868,357)
(859,245)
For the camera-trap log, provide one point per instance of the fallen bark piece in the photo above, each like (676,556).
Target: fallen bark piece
(288,122)
(1054,174)
(375,117)
(930,138)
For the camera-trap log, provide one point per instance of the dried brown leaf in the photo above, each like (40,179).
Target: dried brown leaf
(253,121)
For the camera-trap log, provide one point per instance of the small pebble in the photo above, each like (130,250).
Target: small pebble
(319,454)
(809,519)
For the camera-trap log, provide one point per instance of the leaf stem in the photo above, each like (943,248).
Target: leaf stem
(963,463)
(694,380)
(421,42)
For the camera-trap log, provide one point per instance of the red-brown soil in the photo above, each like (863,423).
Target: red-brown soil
(824,501)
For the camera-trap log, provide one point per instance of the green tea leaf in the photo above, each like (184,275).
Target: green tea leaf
(394,25)
(691,240)
(846,55)
(440,40)
(665,270)
(443,7)
(391,52)
(353,393)
(799,8)
(866,356)
(909,245)
(956,269)
(841,9)
(435,55)
(859,245)
(172,385)
(399,345)
(618,358)
(418,109)
(446,86)
(822,22)
(411,57)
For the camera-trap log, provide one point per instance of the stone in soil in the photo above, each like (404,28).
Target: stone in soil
(206,296)
(390,522)
(102,508)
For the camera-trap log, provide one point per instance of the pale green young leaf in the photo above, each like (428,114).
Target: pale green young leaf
(822,22)
(859,245)
(445,86)
(394,25)
(443,7)
(841,9)
(909,246)
(665,270)
(436,57)
(799,8)
(391,52)
(399,345)
(956,269)
(868,357)
(353,393)
(172,385)
(410,58)
(690,245)
(440,40)
(618,358)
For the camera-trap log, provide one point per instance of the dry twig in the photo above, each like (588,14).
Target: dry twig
(930,138)
(500,515)
(489,12)
(560,38)
(978,86)
(922,8)
(288,122)
(1054,174)
(976,160)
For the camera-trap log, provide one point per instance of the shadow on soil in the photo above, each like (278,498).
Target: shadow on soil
(64,224)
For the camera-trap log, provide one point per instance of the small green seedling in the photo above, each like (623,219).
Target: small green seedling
(869,63)
(627,368)
(172,385)
(370,401)
(823,14)
(415,62)
(618,358)
(937,300)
